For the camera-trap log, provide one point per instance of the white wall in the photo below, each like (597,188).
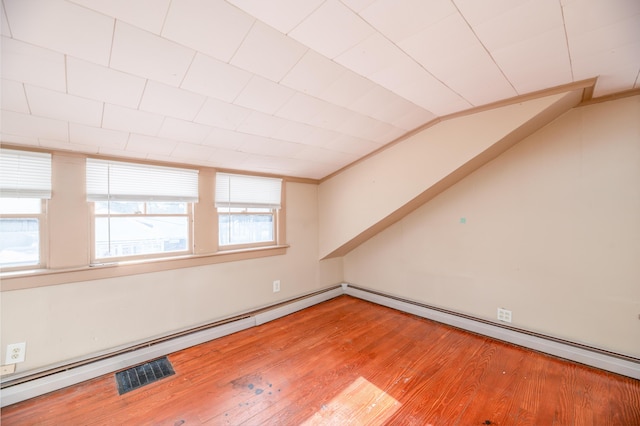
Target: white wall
(67,321)
(552,233)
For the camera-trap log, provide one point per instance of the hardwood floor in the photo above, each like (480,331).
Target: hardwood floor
(347,361)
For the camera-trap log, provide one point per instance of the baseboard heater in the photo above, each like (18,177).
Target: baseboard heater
(36,383)
(583,354)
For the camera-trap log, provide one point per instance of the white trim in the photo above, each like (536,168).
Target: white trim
(36,387)
(289,308)
(548,346)
(72,376)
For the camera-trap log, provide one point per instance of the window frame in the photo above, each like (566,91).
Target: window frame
(277,213)
(147,256)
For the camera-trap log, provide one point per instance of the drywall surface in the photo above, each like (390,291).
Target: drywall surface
(63,322)
(549,230)
(362,196)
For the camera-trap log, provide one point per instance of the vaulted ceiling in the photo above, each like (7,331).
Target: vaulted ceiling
(291,87)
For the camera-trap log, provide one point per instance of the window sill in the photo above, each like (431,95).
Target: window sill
(24,279)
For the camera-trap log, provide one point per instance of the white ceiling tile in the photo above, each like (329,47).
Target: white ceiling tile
(353,145)
(364,127)
(181,130)
(130,120)
(282,15)
(322,155)
(411,81)
(272,147)
(258,123)
(213,27)
(524,22)
(33,65)
(313,74)
(228,159)
(332,29)
(605,38)
(20,140)
(146,14)
(301,107)
(382,104)
(330,116)
(440,40)
(449,49)
(589,15)
(347,89)
(616,68)
(536,63)
(89,135)
(400,19)
(215,78)
(373,54)
(13,97)
(150,144)
(358,5)
(68,146)
(293,131)
(227,139)
(267,52)
(142,53)
(52,104)
(171,101)
(264,95)
(477,12)
(414,119)
(219,114)
(30,126)
(62,26)
(101,83)
(190,151)
(4,24)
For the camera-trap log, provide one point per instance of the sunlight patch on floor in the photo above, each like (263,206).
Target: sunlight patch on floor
(361,403)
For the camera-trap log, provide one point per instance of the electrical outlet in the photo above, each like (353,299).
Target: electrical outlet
(504,315)
(16,352)
(276,286)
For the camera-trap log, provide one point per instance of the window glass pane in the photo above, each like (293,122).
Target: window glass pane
(245,228)
(20,205)
(19,242)
(130,236)
(166,208)
(119,207)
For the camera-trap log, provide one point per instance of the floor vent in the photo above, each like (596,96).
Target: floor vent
(143,374)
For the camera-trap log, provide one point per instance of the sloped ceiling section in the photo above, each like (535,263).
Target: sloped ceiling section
(378,191)
(289,87)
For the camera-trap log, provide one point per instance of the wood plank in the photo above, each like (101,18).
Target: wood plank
(350,361)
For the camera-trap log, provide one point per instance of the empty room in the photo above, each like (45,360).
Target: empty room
(320,212)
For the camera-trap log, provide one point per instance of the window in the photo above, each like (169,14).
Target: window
(25,184)
(247,210)
(140,210)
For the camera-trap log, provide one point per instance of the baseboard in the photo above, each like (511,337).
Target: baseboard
(30,388)
(90,370)
(572,352)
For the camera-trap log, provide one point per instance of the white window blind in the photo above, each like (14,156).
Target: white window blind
(25,174)
(241,191)
(120,181)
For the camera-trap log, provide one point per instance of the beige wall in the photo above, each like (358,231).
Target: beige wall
(61,322)
(552,233)
(363,196)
